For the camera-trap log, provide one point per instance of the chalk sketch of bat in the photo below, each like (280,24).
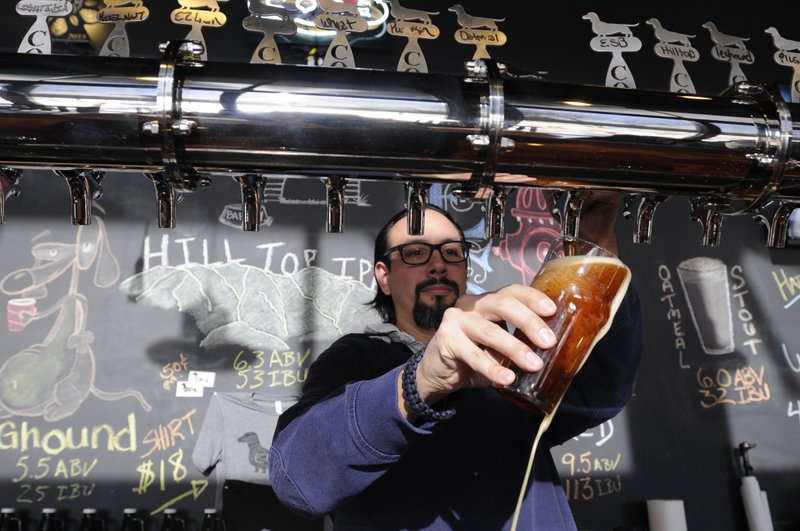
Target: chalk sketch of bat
(51,379)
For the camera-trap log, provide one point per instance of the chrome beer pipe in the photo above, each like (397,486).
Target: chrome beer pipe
(9,187)
(191,121)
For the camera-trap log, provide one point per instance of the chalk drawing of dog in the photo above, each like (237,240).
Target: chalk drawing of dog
(51,379)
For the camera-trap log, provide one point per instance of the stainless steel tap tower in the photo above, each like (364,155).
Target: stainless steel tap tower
(185,123)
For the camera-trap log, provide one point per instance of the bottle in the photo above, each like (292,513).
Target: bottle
(9,520)
(130,521)
(171,521)
(90,521)
(212,521)
(50,520)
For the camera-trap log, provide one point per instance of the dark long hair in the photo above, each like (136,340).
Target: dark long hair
(383,303)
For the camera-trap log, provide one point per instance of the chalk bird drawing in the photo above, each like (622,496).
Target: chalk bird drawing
(51,379)
(467,21)
(606,29)
(238,304)
(257,453)
(670,37)
(405,14)
(782,43)
(724,39)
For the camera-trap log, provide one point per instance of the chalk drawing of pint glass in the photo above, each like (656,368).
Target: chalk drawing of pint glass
(705,285)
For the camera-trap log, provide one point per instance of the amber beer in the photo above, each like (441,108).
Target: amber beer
(587,283)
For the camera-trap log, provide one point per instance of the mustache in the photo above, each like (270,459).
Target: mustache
(443,281)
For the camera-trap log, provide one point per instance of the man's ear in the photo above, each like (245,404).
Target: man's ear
(382,276)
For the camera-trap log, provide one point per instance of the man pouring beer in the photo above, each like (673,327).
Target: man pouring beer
(402,427)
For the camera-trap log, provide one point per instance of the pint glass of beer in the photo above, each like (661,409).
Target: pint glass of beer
(587,283)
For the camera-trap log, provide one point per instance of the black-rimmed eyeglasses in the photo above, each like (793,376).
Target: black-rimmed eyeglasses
(419,253)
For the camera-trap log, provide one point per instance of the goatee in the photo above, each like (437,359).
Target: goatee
(429,317)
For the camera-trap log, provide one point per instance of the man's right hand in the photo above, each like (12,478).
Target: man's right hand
(469,345)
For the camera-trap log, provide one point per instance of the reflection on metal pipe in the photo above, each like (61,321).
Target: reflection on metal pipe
(416,203)
(9,187)
(335,218)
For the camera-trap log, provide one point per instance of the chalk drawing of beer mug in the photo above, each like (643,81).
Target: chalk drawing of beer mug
(19,312)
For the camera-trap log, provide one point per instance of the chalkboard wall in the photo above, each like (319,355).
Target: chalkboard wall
(122,339)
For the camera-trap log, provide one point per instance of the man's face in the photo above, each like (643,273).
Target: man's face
(421,293)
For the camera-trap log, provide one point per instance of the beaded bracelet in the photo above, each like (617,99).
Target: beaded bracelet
(411,393)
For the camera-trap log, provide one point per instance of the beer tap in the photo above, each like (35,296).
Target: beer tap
(171,128)
(166,199)
(84,185)
(709,214)
(744,448)
(495,214)
(778,227)
(645,210)
(252,191)
(416,203)
(570,216)
(9,187)
(335,218)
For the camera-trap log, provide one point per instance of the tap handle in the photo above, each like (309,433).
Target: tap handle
(744,448)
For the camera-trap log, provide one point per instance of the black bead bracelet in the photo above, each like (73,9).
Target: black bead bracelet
(411,393)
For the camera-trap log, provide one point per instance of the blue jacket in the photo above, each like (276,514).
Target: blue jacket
(345,449)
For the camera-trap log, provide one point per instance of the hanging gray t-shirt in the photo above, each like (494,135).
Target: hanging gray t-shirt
(235,437)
